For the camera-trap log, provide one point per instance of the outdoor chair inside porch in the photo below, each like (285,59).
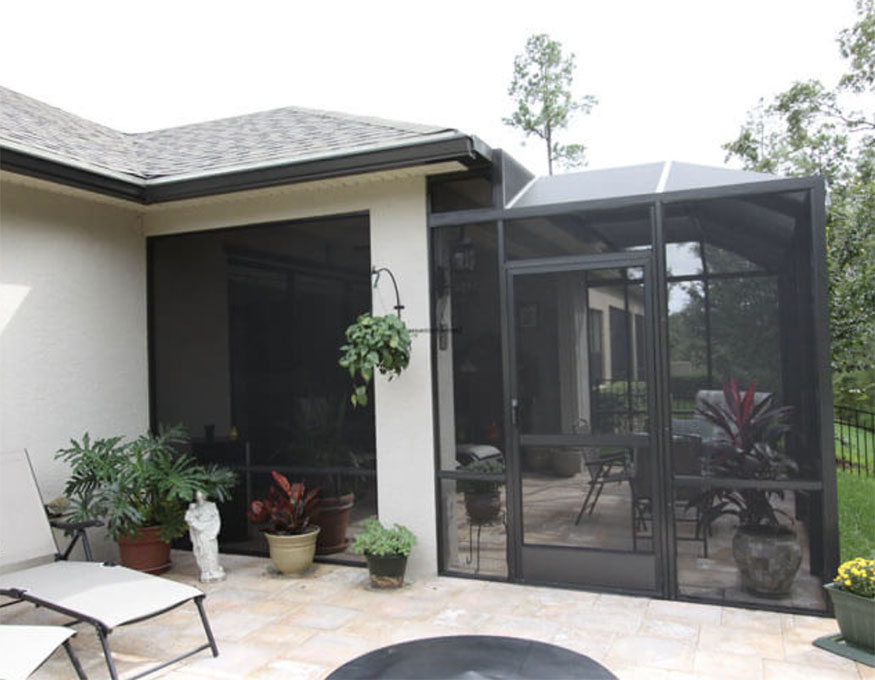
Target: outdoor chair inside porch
(103,595)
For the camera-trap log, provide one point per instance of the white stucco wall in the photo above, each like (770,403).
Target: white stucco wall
(73,326)
(73,353)
(399,240)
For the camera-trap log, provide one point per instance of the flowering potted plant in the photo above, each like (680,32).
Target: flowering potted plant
(852,592)
(747,446)
(284,517)
(386,551)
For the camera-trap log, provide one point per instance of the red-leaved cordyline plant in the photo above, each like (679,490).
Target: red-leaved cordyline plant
(287,509)
(747,447)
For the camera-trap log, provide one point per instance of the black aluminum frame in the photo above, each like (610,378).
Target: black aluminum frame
(659,378)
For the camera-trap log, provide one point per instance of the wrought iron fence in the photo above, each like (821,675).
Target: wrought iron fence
(855,440)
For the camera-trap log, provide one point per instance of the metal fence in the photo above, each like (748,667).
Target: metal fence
(855,440)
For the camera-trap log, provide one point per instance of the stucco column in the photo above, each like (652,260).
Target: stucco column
(403,406)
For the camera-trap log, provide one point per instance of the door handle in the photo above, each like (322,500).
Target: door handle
(515,412)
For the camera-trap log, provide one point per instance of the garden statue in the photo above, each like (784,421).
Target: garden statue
(203,527)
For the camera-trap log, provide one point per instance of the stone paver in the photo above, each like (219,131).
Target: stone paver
(269,626)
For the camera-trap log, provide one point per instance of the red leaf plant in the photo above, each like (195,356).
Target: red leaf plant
(287,509)
(748,446)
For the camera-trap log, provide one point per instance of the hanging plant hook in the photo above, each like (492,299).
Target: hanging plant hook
(376,274)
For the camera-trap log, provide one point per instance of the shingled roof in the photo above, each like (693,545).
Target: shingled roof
(282,137)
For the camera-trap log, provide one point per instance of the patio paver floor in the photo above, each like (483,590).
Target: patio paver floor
(268,626)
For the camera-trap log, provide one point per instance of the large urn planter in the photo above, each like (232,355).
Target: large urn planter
(855,615)
(767,559)
(293,553)
(333,520)
(145,551)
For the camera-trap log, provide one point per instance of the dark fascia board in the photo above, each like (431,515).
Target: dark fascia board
(39,167)
(462,148)
(683,195)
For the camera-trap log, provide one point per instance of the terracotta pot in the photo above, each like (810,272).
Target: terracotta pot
(145,551)
(333,519)
(292,554)
(386,571)
(767,558)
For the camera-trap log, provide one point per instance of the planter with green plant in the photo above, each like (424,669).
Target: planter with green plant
(284,517)
(482,496)
(141,489)
(386,551)
(374,343)
(852,592)
(748,447)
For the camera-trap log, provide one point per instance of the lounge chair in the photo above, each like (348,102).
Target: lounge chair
(26,648)
(102,594)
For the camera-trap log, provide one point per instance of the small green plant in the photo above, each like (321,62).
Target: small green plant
(374,343)
(379,541)
(493,467)
(857,576)
(142,483)
(288,508)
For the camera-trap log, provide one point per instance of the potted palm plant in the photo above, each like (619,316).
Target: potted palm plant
(748,447)
(386,551)
(284,517)
(142,489)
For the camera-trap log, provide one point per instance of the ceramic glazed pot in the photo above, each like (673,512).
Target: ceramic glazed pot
(145,551)
(386,571)
(333,519)
(293,554)
(855,615)
(767,558)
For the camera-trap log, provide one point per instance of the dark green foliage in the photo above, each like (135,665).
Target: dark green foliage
(379,541)
(541,85)
(812,129)
(142,483)
(374,343)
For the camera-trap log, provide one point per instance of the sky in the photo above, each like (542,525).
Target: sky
(674,78)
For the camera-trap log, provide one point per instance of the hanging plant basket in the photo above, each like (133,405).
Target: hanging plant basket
(374,343)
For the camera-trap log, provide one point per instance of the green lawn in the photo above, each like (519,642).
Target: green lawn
(856,515)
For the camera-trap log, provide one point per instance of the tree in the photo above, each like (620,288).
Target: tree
(812,129)
(541,85)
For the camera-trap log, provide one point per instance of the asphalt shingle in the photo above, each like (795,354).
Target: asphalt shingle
(285,135)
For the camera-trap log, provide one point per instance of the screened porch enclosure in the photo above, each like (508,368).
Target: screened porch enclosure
(580,329)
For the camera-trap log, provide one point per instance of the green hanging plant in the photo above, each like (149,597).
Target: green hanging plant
(374,342)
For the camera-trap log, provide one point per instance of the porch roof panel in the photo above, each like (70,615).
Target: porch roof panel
(634,180)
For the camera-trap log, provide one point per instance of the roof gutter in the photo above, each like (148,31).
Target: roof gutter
(465,149)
